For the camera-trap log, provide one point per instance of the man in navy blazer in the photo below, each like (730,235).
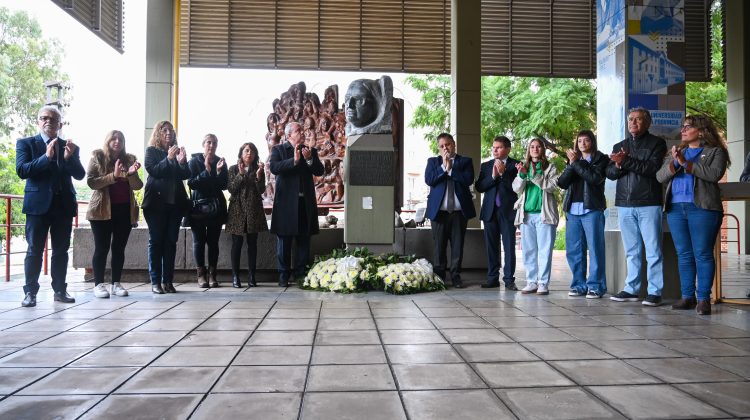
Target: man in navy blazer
(449,205)
(495,181)
(48,163)
(295,213)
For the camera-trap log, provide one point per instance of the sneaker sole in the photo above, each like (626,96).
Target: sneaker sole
(650,303)
(576,294)
(101,296)
(542,293)
(528,292)
(616,299)
(593,297)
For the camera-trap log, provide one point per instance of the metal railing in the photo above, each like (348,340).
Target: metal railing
(9,225)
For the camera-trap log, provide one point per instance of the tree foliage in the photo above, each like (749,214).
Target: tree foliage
(518,107)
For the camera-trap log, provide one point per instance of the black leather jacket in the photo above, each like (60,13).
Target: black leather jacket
(164,183)
(636,179)
(204,184)
(587,176)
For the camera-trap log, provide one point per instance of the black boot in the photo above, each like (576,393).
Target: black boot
(251,279)
(236,280)
(202,280)
(212,277)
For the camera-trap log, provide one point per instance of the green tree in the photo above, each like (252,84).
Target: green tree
(27,60)
(519,107)
(710,98)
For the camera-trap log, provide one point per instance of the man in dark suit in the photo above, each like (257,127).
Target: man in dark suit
(449,205)
(495,181)
(48,163)
(295,213)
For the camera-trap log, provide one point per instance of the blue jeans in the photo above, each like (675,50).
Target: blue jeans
(641,228)
(581,233)
(537,240)
(163,231)
(694,232)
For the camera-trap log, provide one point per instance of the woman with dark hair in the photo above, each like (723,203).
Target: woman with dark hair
(208,180)
(693,205)
(246,218)
(113,211)
(164,203)
(584,205)
(536,213)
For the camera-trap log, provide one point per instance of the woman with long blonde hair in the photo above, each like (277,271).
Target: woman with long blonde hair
(113,211)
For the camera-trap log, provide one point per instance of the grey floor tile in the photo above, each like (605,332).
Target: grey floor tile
(737,365)
(352,406)
(270,406)
(273,355)
(555,403)
(347,337)
(348,355)
(340,324)
(12,379)
(144,406)
(703,347)
(566,350)
(345,313)
(197,356)
(570,321)
(515,322)
(683,370)
(279,338)
(665,332)
(495,352)
(454,404)
(654,402)
(4,351)
(624,320)
(350,378)
(603,372)
(475,335)
(171,380)
(43,357)
(250,304)
(79,339)
(54,407)
(404,324)
(169,325)
(262,379)
(547,310)
(438,376)
(447,312)
(635,349)
(229,324)
(22,338)
(740,343)
(345,303)
(731,397)
(288,324)
(406,312)
(716,331)
(80,381)
(55,325)
(422,353)
(215,338)
(599,333)
(411,337)
(537,334)
(500,312)
(293,313)
(180,313)
(312,303)
(232,313)
(120,325)
(461,322)
(435,301)
(133,313)
(119,356)
(520,374)
(148,338)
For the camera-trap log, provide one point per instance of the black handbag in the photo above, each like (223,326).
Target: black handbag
(205,208)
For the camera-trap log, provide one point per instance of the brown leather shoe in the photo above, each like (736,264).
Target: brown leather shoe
(684,303)
(703,307)
(202,281)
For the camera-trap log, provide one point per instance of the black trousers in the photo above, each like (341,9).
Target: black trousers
(501,227)
(114,234)
(206,234)
(448,227)
(59,227)
(302,248)
(252,251)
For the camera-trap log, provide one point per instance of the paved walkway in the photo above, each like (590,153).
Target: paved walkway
(270,353)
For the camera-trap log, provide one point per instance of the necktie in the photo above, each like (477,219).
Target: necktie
(450,191)
(498,201)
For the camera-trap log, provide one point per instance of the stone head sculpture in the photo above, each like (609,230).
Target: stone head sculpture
(367,106)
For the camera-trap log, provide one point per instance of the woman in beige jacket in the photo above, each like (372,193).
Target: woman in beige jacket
(113,211)
(536,213)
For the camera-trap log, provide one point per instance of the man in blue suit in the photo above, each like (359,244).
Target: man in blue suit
(48,163)
(495,181)
(449,205)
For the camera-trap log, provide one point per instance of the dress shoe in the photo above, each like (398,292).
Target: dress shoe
(458,285)
(685,303)
(511,287)
(168,288)
(703,307)
(236,282)
(251,280)
(64,297)
(284,281)
(29,300)
(490,285)
(156,288)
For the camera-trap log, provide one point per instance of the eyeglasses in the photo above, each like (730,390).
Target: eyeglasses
(686,127)
(48,119)
(639,119)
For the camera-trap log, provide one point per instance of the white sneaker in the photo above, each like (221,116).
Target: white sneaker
(118,290)
(100,291)
(530,288)
(542,290)
(574,292)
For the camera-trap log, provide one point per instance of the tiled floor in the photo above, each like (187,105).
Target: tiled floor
(269,353)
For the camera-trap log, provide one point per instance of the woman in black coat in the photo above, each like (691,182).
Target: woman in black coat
(164,203)
(208,180)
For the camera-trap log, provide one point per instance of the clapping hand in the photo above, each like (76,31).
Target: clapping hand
(134,168)
(498,169)
(182,156)
(260,170)
(220,165)
(572,155)
(70,148)
(118,169)
(51,148)
(677,156)
(521,168)
(619,157)
(447,161)
(307,153)
(240,166)
(172,152)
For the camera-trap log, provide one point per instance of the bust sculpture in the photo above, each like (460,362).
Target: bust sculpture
(367,106)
